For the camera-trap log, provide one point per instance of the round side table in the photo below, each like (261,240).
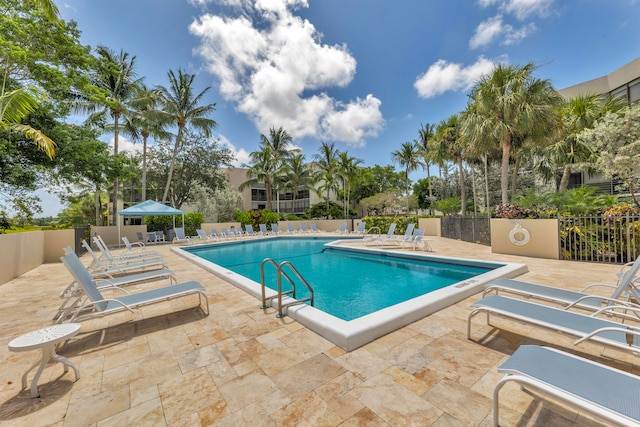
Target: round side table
(45,339)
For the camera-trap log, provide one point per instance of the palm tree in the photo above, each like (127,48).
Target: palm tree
(182,107)
(147,121)
(261,170)
(296,175)
(347,168)
(426,133)
(577,114)
(116,79)
(48,7)
(15,106)
(451,145)
(508,102)
(409,157)
(325,161)
(278,142)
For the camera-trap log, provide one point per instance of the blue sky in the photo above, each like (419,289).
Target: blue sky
(364,74)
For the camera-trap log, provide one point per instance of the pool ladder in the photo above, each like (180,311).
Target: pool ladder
(281,273)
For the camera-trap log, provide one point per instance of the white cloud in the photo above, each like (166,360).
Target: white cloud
(124,145)
(277,72)
(521,9)
(494,28)
(241,156)
(443,76)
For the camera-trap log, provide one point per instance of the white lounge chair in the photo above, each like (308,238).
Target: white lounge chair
(290,228)
(361,228)
(626,287)
(303,228)
(418,241)
(202,236)
(97,305)
(583,327)
(181,237)
(213,234)
(248,231)
(380,239)
(135,247)
(313,228)
(401,240)
(74,296)
(98,268)
(601,390)
(274,229)
(343,228)
(126,257)
(263,229)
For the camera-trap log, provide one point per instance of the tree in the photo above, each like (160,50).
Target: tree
(296,175)
(148,121)
(199,163)
(408,157)
(347,168)
(616,138)
(116,81)
(278,143)
(451,145)
(325,161)
(577,114)
(182,107)
(370,181)
(426,134)
(510,101)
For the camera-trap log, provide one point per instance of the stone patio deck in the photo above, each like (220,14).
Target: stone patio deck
(169,364)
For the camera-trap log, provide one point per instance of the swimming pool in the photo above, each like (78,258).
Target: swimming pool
(370,291)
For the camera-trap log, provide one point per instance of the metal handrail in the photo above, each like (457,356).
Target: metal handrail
(263,286)
(304,282)
(292,292)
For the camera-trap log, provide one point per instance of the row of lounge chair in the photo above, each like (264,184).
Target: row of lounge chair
(413,237)
(84,299)
(602,390)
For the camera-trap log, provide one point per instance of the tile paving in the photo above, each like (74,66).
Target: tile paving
(169,364)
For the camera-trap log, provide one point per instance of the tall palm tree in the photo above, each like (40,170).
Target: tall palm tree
(510,101)
(347,169)
(117,81)
(182,107)
(48,7)
(408,157)
(451,144)
(261,170)
(426,133)
(297,175)
(148,121)
(278,142)
(326,163)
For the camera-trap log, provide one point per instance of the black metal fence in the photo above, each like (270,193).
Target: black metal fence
(596,238)
(81,232)
(467,228)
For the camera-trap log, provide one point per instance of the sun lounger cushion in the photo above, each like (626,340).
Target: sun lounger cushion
(599,389)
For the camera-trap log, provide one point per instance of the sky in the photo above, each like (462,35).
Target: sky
(362,74)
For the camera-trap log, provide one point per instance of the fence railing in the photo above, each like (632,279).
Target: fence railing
(467,228)
(597,238)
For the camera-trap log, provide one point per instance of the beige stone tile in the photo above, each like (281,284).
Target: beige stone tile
(307,375)
(198,358)
(278,359)
(363,363)
(98,407)
(149,414)
(247,389)
(394,403)
(188,393)
(252,415)
(458,401)
(309,410)
(364,418)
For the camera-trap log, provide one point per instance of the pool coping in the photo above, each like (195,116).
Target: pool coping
(352,334)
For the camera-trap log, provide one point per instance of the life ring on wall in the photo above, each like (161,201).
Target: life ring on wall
(519,236)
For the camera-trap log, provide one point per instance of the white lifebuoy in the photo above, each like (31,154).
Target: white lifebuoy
(519,235)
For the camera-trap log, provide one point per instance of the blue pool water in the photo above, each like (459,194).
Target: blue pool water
(346,284)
